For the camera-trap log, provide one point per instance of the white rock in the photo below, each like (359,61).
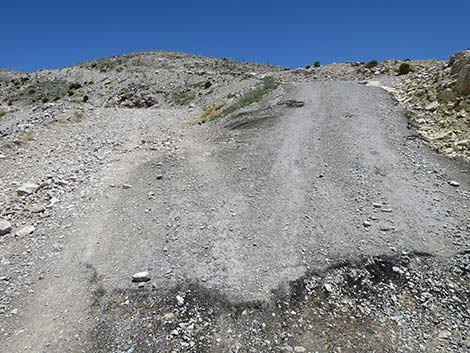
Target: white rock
(180,300)
(27,189)
(143,276)
(454,183)
(5,227)
(299,349)
(37,209)
(22,232)
(366,224)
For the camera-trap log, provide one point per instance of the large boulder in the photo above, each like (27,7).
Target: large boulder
(462,86)
(460,67)
(458,61)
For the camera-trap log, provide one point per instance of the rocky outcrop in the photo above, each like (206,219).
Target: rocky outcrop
(437,95)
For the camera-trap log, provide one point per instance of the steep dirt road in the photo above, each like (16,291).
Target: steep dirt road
(232,215)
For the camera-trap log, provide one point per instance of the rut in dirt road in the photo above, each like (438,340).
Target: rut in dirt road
(242,209)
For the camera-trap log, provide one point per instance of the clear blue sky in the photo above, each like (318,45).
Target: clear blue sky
(51,34)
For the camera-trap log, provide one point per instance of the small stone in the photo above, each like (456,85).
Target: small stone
(180,300)
(454,183)
(168,317)
(2,156)
(27,189)
(126,186)
(432,106)
(377,205)
(299,349)
(366,224)
(143,276)
(328,287)
(444,334)
(22,232)
(5,227)
(159,176)
(37,208)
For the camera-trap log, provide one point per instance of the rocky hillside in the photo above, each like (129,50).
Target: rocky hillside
(436,93)
(165,202)
(141,80)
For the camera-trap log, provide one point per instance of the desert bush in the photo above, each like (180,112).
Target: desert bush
(268,84)
(207,84)
(212,113)
(404,68)
(316,64)
(44,99)
(85,98)
(307,67)
(371,64)
(182,98)
(74,86)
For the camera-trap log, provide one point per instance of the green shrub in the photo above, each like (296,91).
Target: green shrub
(2,113)
(31,91)
(85,98)
(404,68)
(207,84)
(70,92)
(74,86)
(183,98)
(307,67)
(44,99)
(371,64)
(316,64)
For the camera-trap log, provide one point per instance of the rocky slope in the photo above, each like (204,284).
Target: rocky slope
(307,216)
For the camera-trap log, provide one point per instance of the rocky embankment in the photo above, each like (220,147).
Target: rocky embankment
(437,94)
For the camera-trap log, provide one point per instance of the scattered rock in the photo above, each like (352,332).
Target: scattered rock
(143,276)
(454,183)
(25,231)
(27,189)
(180,300)
(37,208)
(5,227)
(366,224)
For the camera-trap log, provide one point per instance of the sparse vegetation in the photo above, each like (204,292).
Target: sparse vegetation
(2,113)
(404,68)
(85,98)
(212,112)
(182,98)
(207,84)
(74,86)
(76,117)
(316,64)
(307,67)
(70,92)
(371,64)
(44,99)
(24,137)
(268,85)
